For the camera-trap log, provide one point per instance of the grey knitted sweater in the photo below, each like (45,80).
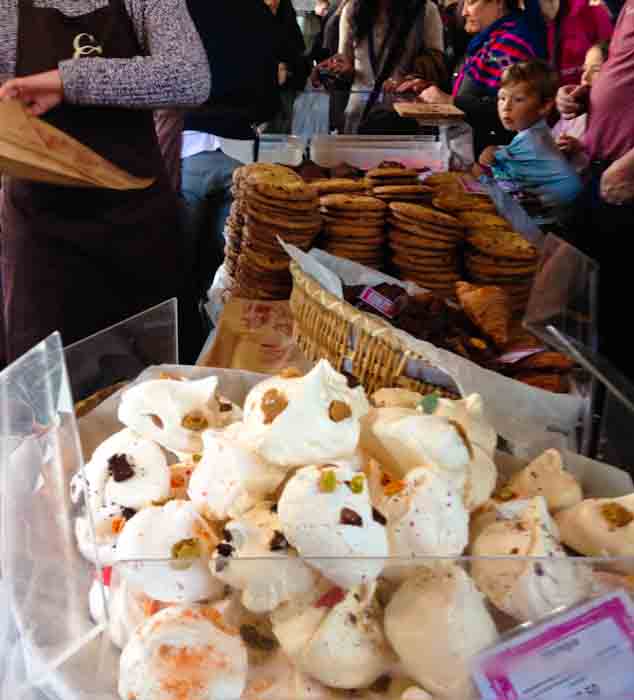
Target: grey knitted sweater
(174,70)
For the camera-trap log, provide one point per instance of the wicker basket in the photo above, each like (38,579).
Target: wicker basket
(329,328)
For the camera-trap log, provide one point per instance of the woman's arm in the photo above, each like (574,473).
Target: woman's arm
(175,73)
(346,42)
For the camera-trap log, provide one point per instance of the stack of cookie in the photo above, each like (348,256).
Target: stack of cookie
(455,199)
(271,202)
(354,228)
(397,185)
(234,224)
(424,244)
(504,259)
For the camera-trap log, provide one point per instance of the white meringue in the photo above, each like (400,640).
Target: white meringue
(101,548)
(127,610)
(436,622)
(525,589)
(314,522)
(304,420)
(98,601)
(230,479)
(426,519)
(547,477)
(601,527)
(152,534)
(186,653)
(402,440)
(469,412)
(482,476)
(149,478)
(341,646)
(396,398)
(172,413)
(261,564)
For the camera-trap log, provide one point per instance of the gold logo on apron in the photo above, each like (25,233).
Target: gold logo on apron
(85,45)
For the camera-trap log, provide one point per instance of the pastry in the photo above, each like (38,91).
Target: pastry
(304,420)
(488,308)
(230,478)
(600,527)
(546,476)
(183,652)
(326,514)
(182,542)
(255,558)
(172,413)
(335,636)
(440,611)
(524,589)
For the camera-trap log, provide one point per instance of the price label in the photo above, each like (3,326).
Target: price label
(588,651)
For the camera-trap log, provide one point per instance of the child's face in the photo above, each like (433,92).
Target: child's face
(519,106)
(591,66)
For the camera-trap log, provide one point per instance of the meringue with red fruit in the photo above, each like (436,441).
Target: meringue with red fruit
(172,413)
(304,420)
(326,515)
(334,635)
(183,652)
(230,478)
(436,622)
(164,552)
(255,558)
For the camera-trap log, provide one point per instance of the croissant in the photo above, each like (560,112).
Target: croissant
(488,307)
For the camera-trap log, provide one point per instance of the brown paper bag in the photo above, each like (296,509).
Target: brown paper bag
(256,336)
(31,149)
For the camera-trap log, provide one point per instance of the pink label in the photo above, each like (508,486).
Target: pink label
(377,301)
(555,637)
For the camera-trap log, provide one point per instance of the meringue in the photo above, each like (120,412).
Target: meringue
(482,476)
(547,477)
(402,440)
(600,527)
(469,412)
(173,413)
(397,398)
(524,589)
(265,569)
(125,470)
(108,523)
(304,420)
(186,653)
(155,534)
(329,522)
(230,479)
(127,610)
(436,622)
(426,519)
(341,645)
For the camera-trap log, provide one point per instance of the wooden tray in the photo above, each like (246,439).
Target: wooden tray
(424,110)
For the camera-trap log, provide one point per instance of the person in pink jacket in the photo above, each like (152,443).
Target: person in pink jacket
(574,27)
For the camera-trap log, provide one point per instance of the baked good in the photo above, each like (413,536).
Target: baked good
(488,308)
(338,186)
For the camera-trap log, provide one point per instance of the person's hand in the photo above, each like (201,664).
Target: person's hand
(339,64)
(412,84)
(569,145)
(487,157)
(572,100)
(617,183)
(39,93)
(434,95)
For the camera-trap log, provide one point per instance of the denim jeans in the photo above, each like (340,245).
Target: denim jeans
(206,181)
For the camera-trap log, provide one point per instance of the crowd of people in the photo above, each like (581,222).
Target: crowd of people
(180,91)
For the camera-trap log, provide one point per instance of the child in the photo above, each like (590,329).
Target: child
(569,133)
(532,163)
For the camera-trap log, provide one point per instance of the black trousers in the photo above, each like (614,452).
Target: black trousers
(605,232)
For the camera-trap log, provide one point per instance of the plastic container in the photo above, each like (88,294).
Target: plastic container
(54,650)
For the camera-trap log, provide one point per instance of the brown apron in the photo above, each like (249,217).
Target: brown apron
(77,260)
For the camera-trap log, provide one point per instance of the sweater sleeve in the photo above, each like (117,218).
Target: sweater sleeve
(173,73)
(8,30)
